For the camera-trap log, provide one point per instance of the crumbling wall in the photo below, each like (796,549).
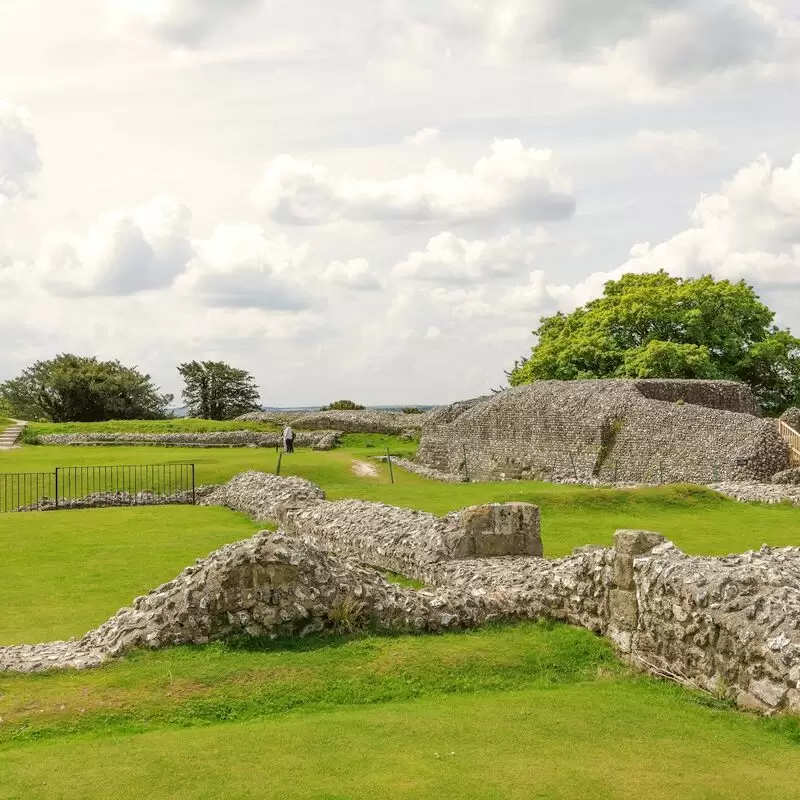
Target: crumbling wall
(606,430)
(722,395)
(728,625)
(317,440)
(366,421)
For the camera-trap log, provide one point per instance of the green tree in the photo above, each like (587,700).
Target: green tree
(216,390)
(72,388)
(658,326)
(343,405)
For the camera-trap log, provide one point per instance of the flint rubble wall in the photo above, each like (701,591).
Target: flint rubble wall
(609,431)
(317,440)
(727,625)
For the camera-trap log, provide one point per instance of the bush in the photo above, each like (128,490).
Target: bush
(411,410)
(343,405)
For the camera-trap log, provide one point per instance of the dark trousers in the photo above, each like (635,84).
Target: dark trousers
(289,444)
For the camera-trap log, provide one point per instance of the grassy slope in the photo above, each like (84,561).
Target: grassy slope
(178,425)
(519,712)
(5,423)
(696,519)
(65,572)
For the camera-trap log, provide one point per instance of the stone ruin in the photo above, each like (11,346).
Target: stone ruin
(316,440)
(611,431)
(730,626)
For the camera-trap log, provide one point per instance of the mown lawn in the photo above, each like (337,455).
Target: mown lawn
(65,572)
(508,712)
(696,519)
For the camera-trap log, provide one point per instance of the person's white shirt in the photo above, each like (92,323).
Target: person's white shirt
(288,433)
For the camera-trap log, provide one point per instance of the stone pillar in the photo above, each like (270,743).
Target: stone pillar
(507,529)
(623,608)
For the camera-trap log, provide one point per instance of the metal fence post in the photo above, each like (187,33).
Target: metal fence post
(56,488)
(389,459)
(278,468)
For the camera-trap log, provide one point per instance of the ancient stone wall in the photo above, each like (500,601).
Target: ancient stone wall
(366,421)
(317,440)
(607,431)
(723,395)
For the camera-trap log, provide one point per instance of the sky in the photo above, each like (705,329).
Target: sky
(378,199)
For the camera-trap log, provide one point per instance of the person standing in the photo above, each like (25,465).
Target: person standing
(288,439)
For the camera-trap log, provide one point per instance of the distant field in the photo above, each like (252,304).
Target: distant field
(182,425)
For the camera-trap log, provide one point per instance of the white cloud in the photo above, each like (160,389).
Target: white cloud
(671,148)
(749,229)
(180,22)
(19,154)
(122,253)
(450,259)
(240,267)
(638,46)
(423,137)
(353,274)
(513,183)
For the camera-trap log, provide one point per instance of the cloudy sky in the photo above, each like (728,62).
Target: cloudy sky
(377,199)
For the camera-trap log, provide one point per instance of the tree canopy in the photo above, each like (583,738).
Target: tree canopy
(72,388)
(343,405)
(658,326)
(216,390)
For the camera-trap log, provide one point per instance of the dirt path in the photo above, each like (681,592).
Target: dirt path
(364,470)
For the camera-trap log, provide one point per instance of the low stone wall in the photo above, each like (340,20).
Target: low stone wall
(366,421)
(270,585)
(119,499)
(730,626)
(316,440)
(261,495)
(413,543)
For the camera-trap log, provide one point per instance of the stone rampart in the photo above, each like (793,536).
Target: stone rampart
(606,431)
(317,440)
(722,395)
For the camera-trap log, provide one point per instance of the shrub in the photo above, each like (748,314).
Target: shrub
(343,405)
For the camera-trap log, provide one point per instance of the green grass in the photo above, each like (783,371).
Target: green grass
(177,425)
(507,712)
(66,572)
(696,519)
(5,423)
(533,710)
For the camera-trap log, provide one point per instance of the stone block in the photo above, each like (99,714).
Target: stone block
(623,608)
(509,529)
(623,572)
(768,692)
(636,543)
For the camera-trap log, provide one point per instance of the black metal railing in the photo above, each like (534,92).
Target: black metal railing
(98,487)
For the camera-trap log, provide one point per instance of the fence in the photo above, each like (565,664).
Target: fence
(98,487)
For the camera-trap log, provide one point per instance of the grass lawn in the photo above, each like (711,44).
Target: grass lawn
(533,710)
(508,712)
(696,519)
(177,425)
(65,572)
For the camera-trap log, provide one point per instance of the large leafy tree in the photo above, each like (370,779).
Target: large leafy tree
(72,388)
(658,326)
(216,390)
